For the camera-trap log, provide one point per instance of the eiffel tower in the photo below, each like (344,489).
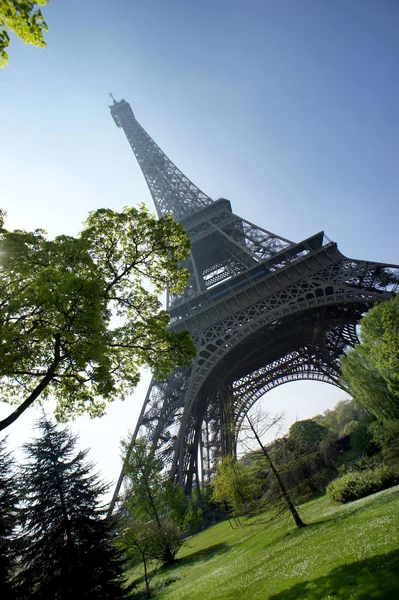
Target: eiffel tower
(262,311)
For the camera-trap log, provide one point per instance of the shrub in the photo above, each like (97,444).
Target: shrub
(360,484)
(364,463)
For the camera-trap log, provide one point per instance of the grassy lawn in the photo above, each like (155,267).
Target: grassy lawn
(348,551)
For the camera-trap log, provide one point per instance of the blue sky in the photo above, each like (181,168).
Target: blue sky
(289,108)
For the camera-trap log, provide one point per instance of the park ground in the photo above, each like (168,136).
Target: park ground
(346,551)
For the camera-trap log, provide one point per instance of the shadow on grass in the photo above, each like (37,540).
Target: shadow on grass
(166,571)
(202,555)
(372,578)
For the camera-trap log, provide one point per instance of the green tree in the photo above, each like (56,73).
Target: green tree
(341,419)
(80,315)
(25,20)
(386,436)
(8,521)
(371,369)
(308,434)
(234,485)
(67,547)
(137,542)
(153,498)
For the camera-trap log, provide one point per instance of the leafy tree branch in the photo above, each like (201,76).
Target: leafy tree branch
(25,20)
(84,315)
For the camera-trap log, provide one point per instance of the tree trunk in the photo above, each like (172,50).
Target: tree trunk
(286,496)
(38,389)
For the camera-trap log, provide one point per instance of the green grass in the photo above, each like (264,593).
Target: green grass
(349,551)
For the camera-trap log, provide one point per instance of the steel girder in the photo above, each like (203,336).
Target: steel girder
(168,185)
(262,311)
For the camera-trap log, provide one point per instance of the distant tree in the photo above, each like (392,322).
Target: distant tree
(341,419)
(67,547)
(23,18)
(80,316)
(371,369)
(8,521)
(308,434)
(153,498)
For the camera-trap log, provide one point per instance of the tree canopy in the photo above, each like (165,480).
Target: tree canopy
(80,315)
(341,419)
(371,369)
(234,485)
(23,18)
(307,433)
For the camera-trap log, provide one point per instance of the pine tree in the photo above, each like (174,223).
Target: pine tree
(67,546)
(8,518)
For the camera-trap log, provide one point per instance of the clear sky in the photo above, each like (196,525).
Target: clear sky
(289,108)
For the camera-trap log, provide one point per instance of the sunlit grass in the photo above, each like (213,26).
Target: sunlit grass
(348,551)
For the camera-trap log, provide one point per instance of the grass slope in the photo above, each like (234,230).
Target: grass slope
(349,551)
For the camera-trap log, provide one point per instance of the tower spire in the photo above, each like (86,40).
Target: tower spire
(172,192)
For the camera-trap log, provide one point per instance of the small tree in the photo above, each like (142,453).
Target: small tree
(58,297)
(234,485)
(8,520)
(136,540)
(67,547)
(152,498)
(25,20)
(257,426)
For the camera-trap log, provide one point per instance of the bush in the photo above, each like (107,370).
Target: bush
(360,484)
(364,463)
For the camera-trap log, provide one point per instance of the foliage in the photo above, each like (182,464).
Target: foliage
(342,419)
(350,551)
(152,498)
(25,20)
(358,484)
(371,369)
(364,463)
(136,540)
(362,442)
(234,485)
(194,516)
(66,545)
(386,436)
(307,433)
(8,521)
(305,468)
(80,316)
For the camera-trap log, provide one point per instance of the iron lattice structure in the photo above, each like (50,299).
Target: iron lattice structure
(261,309)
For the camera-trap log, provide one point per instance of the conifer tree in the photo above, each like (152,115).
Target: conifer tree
(67,546)
(8,518)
